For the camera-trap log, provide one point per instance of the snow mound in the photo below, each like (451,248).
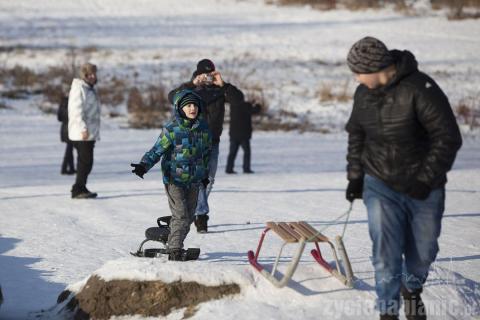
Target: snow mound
(146,269)
(147,287)
(100,299)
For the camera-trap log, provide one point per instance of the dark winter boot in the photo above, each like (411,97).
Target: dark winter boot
(414,307)
(176,255)
(82,193)
(388,317)
(201,223)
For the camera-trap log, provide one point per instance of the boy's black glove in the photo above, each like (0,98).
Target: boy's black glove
(139,169)
(419,190)
(354,190)
(205,182)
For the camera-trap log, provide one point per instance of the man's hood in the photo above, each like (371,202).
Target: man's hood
(405,63)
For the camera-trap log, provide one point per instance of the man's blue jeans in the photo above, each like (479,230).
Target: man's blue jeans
(203,193)
(404,232)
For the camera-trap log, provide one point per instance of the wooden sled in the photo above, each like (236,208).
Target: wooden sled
(300,233)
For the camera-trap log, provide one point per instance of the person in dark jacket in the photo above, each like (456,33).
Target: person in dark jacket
(240,134)
(209,85)
(62,116)
(402,140)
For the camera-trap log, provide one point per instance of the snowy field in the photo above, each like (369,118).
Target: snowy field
(290,53)
(49,242)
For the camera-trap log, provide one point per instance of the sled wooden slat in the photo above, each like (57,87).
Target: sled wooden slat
(287,228)
(287,237)
(304,232)
(312,231)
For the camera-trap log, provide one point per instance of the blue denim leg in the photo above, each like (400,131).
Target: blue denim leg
(425,218)
(387,222)
(203,193)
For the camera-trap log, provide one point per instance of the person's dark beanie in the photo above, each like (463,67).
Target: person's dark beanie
(189,98)
(205,66)
(369,55)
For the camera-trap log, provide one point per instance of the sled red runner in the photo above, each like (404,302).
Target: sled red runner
(301,233)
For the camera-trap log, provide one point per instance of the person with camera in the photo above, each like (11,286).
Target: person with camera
(208,83)
(402,140)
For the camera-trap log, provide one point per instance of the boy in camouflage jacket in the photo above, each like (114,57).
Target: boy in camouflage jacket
(184,147)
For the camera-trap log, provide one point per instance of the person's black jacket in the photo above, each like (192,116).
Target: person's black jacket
(62,116)
(241,120)
(403,132)
(215,98)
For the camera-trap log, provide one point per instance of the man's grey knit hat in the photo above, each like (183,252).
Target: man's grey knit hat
(369,55)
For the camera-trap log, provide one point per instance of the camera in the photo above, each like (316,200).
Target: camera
(209,79)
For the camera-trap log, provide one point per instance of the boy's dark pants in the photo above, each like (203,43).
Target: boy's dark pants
(234,144)
(84,163)
(182,202)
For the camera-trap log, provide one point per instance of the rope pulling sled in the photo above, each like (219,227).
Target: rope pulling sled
(301,233)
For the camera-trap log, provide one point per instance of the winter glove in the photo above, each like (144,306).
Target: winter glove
(419,190)
(354,190)
(139,169)
(205,182)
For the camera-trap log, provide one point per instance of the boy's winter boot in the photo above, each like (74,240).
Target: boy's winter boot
(414,307)
(176,255)
(201,223)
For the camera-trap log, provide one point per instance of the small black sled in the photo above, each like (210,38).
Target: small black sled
(160,234)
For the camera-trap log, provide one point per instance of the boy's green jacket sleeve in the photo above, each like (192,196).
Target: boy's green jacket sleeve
(154,155)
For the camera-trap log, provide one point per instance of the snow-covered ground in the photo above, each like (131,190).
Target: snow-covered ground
(48,241)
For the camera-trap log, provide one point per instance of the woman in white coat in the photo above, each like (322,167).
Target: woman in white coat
(84,126)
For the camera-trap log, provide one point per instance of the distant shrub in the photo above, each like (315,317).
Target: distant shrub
(458,9)
(149,109)
(112,91)
(21,77)
(334,92)
(320,4)
(89,49)
(63,73)
(468,112)
(53,93)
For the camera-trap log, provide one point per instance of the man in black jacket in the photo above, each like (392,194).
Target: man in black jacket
(402,140)
(208,83)
(240,134)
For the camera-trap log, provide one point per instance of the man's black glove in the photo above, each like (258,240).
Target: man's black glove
(205,182)
(419,190)
(354,190)
(139,169)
